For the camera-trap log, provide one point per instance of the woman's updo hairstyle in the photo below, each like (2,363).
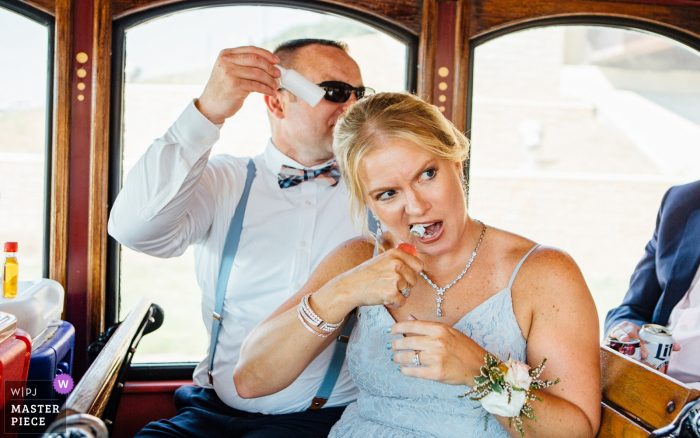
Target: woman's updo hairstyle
(391,116)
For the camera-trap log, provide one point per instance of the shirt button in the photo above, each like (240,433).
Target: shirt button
(302,243)
(308,202)
(206,141)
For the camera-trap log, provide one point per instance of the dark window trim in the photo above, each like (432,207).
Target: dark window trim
(579,20)
(161,371)
(48,21)
(169,371)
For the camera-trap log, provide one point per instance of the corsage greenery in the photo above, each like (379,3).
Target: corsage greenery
(506,389)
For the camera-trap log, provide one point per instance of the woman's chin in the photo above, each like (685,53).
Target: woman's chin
(434,250)
(437,244)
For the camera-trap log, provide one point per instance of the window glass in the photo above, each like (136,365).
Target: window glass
(168,62)
(23,78)
(577,133)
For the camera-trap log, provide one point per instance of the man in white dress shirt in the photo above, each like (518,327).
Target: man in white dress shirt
(177,196)
(665,286)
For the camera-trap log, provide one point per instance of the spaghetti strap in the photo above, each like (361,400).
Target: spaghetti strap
(517,268)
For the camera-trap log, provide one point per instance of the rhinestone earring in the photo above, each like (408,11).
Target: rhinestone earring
(465,186)
(379,224)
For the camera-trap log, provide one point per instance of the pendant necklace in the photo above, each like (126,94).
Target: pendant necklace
(441,290)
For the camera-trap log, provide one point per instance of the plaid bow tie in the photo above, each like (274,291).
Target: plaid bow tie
(290,176)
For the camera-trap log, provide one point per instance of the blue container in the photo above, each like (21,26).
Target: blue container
(53,357)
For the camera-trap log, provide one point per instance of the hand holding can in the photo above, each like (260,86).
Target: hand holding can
(658,341)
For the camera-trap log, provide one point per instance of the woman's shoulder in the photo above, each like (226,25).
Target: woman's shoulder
(514,247)
(548,285)
(545,268)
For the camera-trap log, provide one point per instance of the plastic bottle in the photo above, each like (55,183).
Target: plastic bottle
(301,87)
(11,270)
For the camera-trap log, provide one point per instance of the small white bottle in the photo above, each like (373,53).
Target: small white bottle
(301,87)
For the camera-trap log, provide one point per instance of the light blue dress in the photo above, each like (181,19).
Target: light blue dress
(393,405)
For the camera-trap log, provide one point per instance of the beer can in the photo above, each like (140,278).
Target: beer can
(631,347)
(658,341)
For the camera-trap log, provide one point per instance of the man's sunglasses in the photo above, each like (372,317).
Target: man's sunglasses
(340,92)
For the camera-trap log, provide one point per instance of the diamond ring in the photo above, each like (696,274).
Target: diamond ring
(406,292)
(416,359)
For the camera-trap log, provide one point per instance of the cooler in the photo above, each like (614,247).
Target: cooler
(15,350)
(52,357)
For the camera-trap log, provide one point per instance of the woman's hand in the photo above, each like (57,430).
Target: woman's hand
(381,279)
(446,354)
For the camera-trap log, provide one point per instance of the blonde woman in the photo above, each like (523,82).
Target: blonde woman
(471,289)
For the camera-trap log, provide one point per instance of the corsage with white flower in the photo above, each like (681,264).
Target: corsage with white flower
(505,389)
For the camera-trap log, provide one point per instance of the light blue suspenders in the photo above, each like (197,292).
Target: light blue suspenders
(233,237)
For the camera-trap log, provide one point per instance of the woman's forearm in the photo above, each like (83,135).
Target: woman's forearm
(274,355)
(277,351)
(556,418)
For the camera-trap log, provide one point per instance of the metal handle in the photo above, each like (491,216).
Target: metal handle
(77,425)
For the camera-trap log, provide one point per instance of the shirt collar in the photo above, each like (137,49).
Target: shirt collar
(274,159)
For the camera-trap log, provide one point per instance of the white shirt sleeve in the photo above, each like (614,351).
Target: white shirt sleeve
(165,205)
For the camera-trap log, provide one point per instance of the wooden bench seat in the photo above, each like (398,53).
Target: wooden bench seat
(637,399)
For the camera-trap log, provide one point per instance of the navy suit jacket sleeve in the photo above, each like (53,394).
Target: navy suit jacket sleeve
(644,291)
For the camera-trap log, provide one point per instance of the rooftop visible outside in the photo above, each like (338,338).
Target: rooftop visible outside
(577,132)
(168,62)
(24,48)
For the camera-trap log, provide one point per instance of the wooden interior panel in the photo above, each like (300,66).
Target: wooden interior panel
(461,66)
(405,13)
(444,84)
(616,425)
(60,143)
(48,6)
(143,402)
(99,165)
(426,51)
(490,15)
(643,392)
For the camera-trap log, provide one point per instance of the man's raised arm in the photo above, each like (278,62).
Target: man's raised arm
(165,204)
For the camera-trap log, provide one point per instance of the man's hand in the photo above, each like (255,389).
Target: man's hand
(237,73)
(625,331)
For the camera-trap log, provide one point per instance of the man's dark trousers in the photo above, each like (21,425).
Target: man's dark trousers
(201,414)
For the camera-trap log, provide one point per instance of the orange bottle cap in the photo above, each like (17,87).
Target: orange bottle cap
(10,246)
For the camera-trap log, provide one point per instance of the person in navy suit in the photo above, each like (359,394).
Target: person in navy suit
(665,286)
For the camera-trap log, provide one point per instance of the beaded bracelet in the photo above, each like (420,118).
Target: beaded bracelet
(308,327)
(310,319)
(313,319)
